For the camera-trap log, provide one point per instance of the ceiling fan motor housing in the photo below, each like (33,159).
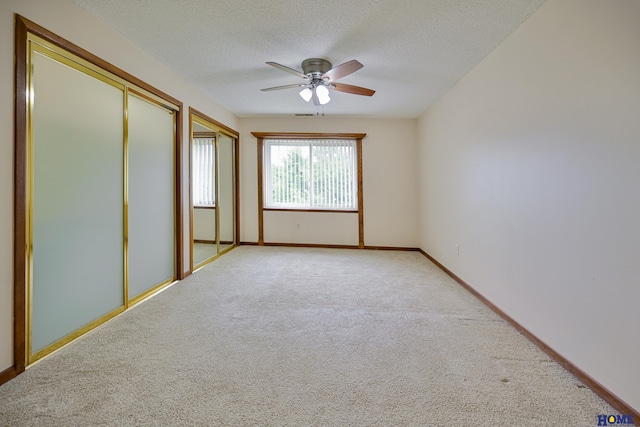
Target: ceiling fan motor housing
(315,67)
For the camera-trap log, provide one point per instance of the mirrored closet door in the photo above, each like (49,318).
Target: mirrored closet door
(213,189)
(203,194)
(226,191)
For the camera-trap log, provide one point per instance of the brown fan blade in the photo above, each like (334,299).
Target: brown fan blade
(287,69)
(356,90)
(342,70)
(283,87)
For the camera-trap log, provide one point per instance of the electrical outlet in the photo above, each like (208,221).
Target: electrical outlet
(298,226)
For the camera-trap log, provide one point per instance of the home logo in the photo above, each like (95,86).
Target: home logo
(615,420)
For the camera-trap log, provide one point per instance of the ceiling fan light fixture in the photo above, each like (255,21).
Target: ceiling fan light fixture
(306,94)
(323,94)
(320,76)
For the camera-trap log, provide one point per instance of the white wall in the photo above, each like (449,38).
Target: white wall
(531,164)
(319,228)
(73,24)
(389,173)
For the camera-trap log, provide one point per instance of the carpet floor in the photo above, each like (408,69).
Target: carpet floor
(271,336)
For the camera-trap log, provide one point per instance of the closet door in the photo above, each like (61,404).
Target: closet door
(203,196)
(76,180)
(226,191)
(151,243)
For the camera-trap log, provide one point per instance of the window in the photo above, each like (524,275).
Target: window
(313,174)
(203,171)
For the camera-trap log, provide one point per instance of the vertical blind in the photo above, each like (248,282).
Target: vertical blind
(203,171)
(310,174)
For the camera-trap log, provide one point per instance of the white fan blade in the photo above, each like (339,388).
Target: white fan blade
(288,70)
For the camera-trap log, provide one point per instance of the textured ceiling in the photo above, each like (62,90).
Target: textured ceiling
(413,51)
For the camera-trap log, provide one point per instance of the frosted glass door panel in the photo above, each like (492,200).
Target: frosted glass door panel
(226,189)
(77,200)
(151,196)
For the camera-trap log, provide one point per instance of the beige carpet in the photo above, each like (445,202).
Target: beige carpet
(303,337)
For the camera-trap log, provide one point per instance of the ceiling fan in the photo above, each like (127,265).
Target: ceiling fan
(320,76)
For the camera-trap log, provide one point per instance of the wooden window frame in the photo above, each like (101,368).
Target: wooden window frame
(262,136)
